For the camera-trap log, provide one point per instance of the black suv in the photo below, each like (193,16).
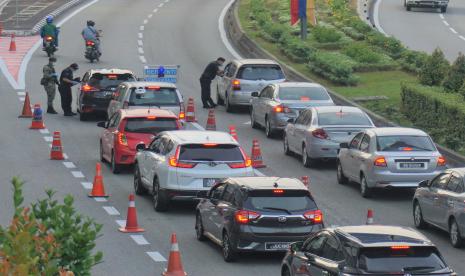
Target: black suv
(365,250)
(257,214)
(97,89)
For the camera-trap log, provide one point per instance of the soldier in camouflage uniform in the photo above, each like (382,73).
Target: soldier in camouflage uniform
(49,81)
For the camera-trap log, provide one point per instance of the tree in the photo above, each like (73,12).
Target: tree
(434,69)
(454,79)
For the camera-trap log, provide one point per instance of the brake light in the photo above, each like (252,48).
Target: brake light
(407,149)
(278,191)
(122,140)
(112,77)
(153,88)
(210,145)
(240,165)
(182,113)
(151,118)
(441,161)
(400,247)
(315,216)
(174,161)
(281,109)
(245,216)
(48,38)
(236,84)
(320,133)
(305,99)
(90,43)
(125,104)
(380,162)
(88,88)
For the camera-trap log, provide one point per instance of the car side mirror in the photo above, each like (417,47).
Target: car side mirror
(291,120)
(140,147)
(423,184)
(254,94)
(296,246)
(344,145)
(102,124)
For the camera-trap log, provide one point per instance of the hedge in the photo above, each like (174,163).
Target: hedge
(334,66)
(412,61)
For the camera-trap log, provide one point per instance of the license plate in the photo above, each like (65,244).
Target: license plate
(273,246)
(412,165)
(209,182)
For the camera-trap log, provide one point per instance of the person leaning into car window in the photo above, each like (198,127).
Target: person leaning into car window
(211,71)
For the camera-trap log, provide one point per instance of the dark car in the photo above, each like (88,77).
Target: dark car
(97,88)
(264,214)
(365,250)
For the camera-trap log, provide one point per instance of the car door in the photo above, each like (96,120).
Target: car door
(301,130)
(263,99)
(210,217)
(84,80)
(162,168)
(108,135)
(330,258)
(291,133)
(305,264)
(349,165)
(224,209)
(449,200)
(362,159)
(431,200)
(221,80)
(151,159)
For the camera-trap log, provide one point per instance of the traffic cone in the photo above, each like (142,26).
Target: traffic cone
(57,150)
(13,43)
(174,263)
(257,161)
(211,121)
(233,132)
(26,113)
(131,221)
(306,180)
(98,189)
(190,112)
(37,120)
(369,217)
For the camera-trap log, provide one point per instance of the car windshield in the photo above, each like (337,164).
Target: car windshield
(343,118)
(211,152)
(107,81)
(150,125)
(410,260)
(260,72)
(158,96)
(404,143)
(288,201)
(303,94)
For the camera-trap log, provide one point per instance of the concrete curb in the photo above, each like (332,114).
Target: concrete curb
(250,49)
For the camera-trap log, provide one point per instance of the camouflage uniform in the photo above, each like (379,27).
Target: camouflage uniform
(50,82)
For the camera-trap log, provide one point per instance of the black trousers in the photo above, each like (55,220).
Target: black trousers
(66,98)
(206,91)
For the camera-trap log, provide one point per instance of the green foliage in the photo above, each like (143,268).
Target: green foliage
(391,45)
(413,61)
(359,25)
(362,53)
(298,50)
(324,34)
(434,69)
(333,66)
(455,76)
(462,90)
(353,33)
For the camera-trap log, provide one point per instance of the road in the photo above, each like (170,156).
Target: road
(425,29)
(181,32)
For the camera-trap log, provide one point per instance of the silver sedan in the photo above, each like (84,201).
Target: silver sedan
(318,131)
(441,202)
(277,103)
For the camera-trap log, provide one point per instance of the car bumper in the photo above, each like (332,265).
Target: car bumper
(240,97)
(125,156)
(326,149)
(386,179)
(92,104)
(427,4)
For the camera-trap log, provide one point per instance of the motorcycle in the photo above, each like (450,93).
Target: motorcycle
(91,51)
(49,46)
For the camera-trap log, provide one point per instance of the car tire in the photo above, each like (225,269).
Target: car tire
(341,178)
(83,117)
(229,253)
(418,220)
(365,191)
(253,123)
(456,239)
(102,159)
(287,151)
(229,107)
(199,228)
(219,100)
(160,200)
(115,168)
(139,188)
(269,131)
(307,161)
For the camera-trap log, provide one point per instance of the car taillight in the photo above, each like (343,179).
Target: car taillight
(441,161)
(281,109)
(90,43)
(380,161)
(125,104)
(320,133)
(174,161)
(48,38)
(122,140)
(88,88)
(236,84)
(245,216)
(182,113)
(400,247)
(315,216)
(240,165)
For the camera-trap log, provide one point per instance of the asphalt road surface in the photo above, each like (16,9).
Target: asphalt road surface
(181,32)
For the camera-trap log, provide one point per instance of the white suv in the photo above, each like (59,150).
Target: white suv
(179,164)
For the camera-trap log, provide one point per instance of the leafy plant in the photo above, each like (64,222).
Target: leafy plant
(434,70)
(413,61)
(333,66)
(298,50)
(324,34)
(454,79)
(362,53)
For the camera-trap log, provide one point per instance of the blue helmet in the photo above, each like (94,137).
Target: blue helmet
(49,19)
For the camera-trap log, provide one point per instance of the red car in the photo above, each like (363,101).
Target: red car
(129,127)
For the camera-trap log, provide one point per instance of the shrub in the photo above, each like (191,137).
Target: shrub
(353,33)
(454,79)
(434,69)
(298,50)
(275,31)
(334,66)
(389,44)
(362,53)
(324,34)
(413,61)
(462,90)
(359,25)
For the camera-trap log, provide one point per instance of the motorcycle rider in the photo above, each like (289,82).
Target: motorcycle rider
(90,33)
(49,81)
(50,29)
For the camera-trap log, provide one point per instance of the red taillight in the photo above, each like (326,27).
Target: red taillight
(174,161)
(151,117)
(182,115)
(407,149)
(209,145)
(281,109)
(380,162)
(305,99)
(112,77)
(88,88)
(48,38)
(240,165)
(400,247)
(441,161)
(245,216)
(122,140)
(236,85)
(278,191)
(320,133)
(314,216)
(152,87)
(125,104)
(90,43)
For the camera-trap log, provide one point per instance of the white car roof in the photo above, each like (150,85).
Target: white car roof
(298,84)
(201,137)
(388,131)
(111,71)
(337,108)
(255,61)
(150,83)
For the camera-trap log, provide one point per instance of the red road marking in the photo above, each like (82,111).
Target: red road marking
(13,60)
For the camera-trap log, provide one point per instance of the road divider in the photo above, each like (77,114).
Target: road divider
(98,188)
(174,261)
(131,221)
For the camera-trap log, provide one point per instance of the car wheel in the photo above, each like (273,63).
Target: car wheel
(138,186)
(456,238)
(83,117)
(219,100)
(229,254)
(341,178)
(199,228)
(365,191)
(253,123)
(228,105)
(102,159)
(420,223)
(115,168)
(268,129)
(160,200)
(287,151)
(285,272)
(306,160)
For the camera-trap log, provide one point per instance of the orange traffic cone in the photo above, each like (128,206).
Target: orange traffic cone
(306,180)
(26,113)
(211,121)
(57,150)
(369,217)
(37,120)
(131,221)
(190,112)
(98,189)
(257,161)
(233,132)
(174,262)
(13,43)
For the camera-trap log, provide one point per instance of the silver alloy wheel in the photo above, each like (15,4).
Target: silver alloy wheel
(226,246)
(268,130)
(454,234)
(417,216)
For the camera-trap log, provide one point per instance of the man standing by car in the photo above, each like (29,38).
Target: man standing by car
(66,82)
(49,81)
(211,71)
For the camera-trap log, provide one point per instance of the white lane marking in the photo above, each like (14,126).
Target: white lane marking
(77,174)
(142,59)
(197,126)
(156,256)
(150,15)
(65,156)
(22,99)
(139,239)
(161,5)
(69,165)
(146,21)
(48,138)
(258,173)
(445,22)
(141,28)
(155,10)
(21,93)
(141,50)
(87,185)
(247,123)
(222,31)
(376,17)
(121,223)
(453,30)
(462,37)
(111,210)
(441,15)
(100,199)
(44,131)
(141,35)
(140,43)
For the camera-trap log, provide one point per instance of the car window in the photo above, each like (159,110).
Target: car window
(266,93)
(150,125)
(153,95)
(108,81)
(165,144)
(211,152)
(301,117)
(226,70)
(291,200)
(460,188)
(260,72)
(217,191)
(155,146)
(365,144)
(114,120)
(232,70)
(440,181)
(454,183)
(308,118)
(228,194)
(85,78)
(316,245)
(121,92)
(331,250)
(343,118)
(405,143)
(356,141)
(305,94)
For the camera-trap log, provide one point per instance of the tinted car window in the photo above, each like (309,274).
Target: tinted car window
(356,141)
(260,72)
(267,200)
(156,97)
(405,143)
(229,193)
(331,250)
(301,118)
(454,183)
(460,188)
(404,260)
(303,93)
(316,245)
(440,181)
(343,118)
(365,144)
(200,152)
(107,81)
(155,146)
(147,125)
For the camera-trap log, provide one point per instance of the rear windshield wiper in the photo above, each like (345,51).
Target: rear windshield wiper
(277,209)
(418,268)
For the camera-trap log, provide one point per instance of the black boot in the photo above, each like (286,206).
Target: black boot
(51,110)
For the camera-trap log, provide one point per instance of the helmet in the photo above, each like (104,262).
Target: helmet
(49,19)
(90,23)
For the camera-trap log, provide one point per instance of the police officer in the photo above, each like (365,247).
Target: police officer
(66,82)
(49,81)
(211,71)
